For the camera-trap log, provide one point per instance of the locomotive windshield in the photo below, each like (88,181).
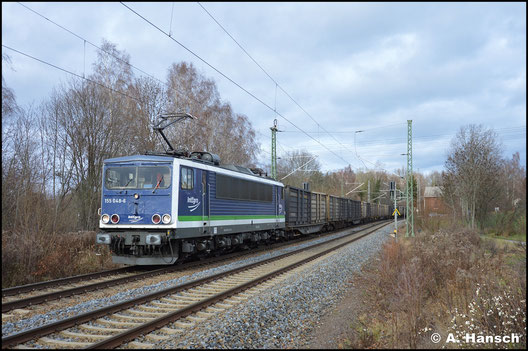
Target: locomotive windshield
(137,177)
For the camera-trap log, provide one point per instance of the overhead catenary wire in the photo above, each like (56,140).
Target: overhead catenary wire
(284,91)
(72,73)
(285,152)
(99,48)
(327,145)
(295,170)
(278,144)
(354,131)
(514,134)
(84,40)
(138,69)
(106,52)
(270,77)
(229,79)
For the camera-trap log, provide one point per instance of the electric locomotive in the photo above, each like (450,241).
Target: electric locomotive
(158,208)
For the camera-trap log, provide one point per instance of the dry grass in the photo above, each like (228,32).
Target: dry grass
(29,258)
(444,281)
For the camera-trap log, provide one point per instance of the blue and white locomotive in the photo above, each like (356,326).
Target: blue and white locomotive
(156,209)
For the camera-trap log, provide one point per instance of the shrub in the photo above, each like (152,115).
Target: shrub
(506,224)
(442,281)
(491,314)
(33,257)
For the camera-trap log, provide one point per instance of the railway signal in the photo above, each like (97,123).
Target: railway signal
(393,193)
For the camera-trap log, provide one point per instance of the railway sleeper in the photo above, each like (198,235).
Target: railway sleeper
(215,290)
(223,285)
(201,292)
(205,315)
(140,345)
(237,276)
(159,308)
(171,331)
(100,330)
(181,299)
(206,290)
(245,294)
(124,325)
(239,298)
(192,293)
(196,319)
(83,336)
(157,337)
(147,314)
(232,301)
(250,274)
(214,309)
(63,344)
(223,305)
(183,324)
(234,279)
(176,306)
(124,317)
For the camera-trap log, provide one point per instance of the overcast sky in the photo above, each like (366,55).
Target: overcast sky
(350,67)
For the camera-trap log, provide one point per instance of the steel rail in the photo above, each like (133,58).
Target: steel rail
(63,281)
(8,306)
(21,303)
(30,334)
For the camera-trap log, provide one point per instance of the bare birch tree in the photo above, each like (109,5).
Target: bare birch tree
(217,129)
(296,167)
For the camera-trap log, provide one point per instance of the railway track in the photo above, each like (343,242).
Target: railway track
(63,281)
(66,287)
(60,288)
(171,311)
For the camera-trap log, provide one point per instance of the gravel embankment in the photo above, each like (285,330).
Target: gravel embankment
(62,313)
(282,316)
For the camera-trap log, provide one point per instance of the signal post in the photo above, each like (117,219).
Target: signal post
(396,213)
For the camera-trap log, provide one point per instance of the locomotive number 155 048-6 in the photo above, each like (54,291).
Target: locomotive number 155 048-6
(115,201)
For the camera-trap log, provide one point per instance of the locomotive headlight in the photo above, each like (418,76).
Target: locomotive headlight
(136,196)
(166,219)
(115,218)
(102,239)
(156,218)
(105,218)
(153,239)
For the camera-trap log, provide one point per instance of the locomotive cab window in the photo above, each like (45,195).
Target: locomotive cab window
(138,177)
(153,177)
(187,178)
(121,177)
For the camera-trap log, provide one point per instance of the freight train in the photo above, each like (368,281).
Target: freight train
(157,209)
(160,209)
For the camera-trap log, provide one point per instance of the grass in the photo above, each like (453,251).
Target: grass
(514,237)
(509,224)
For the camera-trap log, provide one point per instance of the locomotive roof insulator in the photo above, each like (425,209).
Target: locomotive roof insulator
(205,157)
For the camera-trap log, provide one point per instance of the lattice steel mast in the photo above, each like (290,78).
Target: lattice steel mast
(409,190)
(274,150)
